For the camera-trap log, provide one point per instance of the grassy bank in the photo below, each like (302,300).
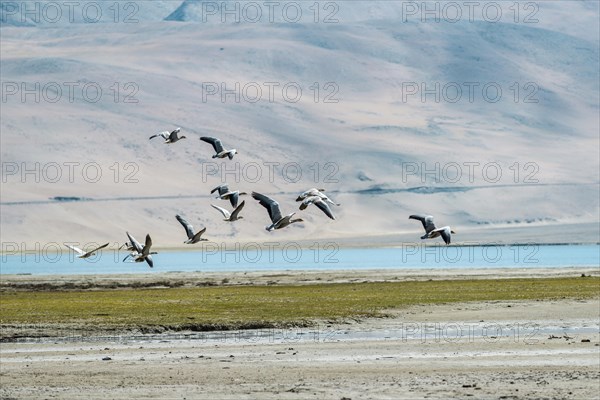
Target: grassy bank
(233,307)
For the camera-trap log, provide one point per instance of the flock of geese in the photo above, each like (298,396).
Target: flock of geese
(141,253)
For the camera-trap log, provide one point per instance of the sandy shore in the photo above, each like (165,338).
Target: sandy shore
(483,350)
(502,350)
(284,277)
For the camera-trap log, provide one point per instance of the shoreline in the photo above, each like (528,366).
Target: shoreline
(279,277)
(305,244)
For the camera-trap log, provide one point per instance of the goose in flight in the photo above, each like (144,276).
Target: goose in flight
(83,254)
(278,221)
(189,230)
(141,253)
(226,194)
(317,201)
(169,137)
(315,192)
(220,151)
(431,231)
(230,216)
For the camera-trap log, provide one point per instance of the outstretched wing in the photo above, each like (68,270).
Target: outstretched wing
(89,253)
(234,214)
(147,245)
(75,249)
(216,143)
(101,247)
(136,245)
(446,234)
(324,207)
(426,220)
(234,197)
(224,188)
(163,135)
(199,234)
(150,261)
(173,134)
(223,211)
(189,229)
(271,205)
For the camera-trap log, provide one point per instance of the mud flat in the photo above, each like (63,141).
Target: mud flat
(494,350)
(480,349)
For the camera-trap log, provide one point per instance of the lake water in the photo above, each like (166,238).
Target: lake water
(327,256)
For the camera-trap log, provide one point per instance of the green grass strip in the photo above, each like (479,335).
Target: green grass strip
(232,307)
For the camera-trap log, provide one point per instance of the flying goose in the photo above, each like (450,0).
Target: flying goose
(83,254)
(431,231)
(169,137)
(317,201)
(233,216)
(278,221)
(315,192)
(141,253)
(220,151)
(225,194)
(189,230)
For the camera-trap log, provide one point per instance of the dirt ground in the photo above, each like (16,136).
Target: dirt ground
(482,350)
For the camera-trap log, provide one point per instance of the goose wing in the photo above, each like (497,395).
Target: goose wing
(147,245)
(75,249)
(224,188)
(150,261)
(223,211)
(89,253)
(234,197)
(164,135)
(189,229)
(426,220)
(271,205)
(446,234)
(173,135)
(136,245)
(234,214)
(324,207)
(198,235)
(216,143)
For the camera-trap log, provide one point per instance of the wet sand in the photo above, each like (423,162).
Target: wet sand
(283,277)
